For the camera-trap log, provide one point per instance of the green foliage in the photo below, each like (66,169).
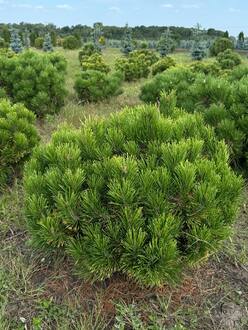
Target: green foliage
(38,81)
(178,78)
(71,42)
(94,62)
(3,43)
(136,65)
(18,136)
(137,193)
(208,68)
(26,40)
(223,103)
(228,59)
(87,50)
(220,45)
(162,65)
(38,43)
(93,86)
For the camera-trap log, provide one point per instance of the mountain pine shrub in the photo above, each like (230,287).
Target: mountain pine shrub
(220,45)
(94,62)
(223,104)
(228,59)
(175,78)
(94,86)
(162,65)
(38,43)
(71,42)
(136,65)
(138,193)
(18,136)
(208,68)
(36,80)
(86,51)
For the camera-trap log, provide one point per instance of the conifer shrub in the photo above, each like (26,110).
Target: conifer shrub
(162,65)
(86,51)
(228,59)
(71,42)
(94,62)
(220,45)
(18,136)
(36,80)
(238,73)
(222,103)
(208,68)
(138,193)
(94,86)
(136,65)
(38,43)
(176,78)
(150,56)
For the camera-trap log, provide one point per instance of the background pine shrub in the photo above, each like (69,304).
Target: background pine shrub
(137,193)
(136,65)
(36,80)
(18,136)
(94,62)
(93,86)
(71,42)
(222,103)
(228,59)
(162,65)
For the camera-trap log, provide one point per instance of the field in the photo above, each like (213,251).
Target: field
(38,291)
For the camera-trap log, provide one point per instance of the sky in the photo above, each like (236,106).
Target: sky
(228,15)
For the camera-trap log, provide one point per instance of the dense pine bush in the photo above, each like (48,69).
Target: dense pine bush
(136,65)
(220,45)
(71,42)
(38,43)
(176,78)
(18,136)
(162,65)
(36,80)
(137,193)
(93,86)
(228,59)
(94,62)
(223,104)
(87,50)
(208,68)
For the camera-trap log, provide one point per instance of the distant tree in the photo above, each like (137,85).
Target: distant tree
(47,45)
(97,33)
(166,44)
(198,51)
(39,43)
(144,45)
(102,41)
(15,42)
(241,36)
(220,45)
(53,38)
(127,46)
(26,39)
(71,42)
(226,34)
(6,33)
(3,43)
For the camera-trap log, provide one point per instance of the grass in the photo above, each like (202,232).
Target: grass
(40,292)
